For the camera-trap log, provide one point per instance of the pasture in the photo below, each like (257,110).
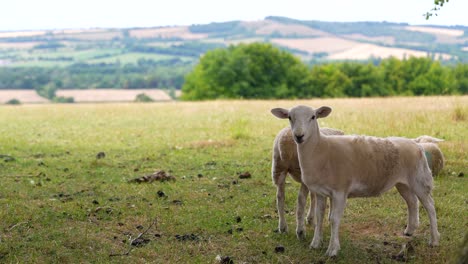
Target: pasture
(65,195)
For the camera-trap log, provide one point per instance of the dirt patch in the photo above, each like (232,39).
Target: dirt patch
(160,176)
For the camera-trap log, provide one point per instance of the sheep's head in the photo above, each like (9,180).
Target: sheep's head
(303,120)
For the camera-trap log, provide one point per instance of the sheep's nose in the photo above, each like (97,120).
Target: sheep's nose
(299,138)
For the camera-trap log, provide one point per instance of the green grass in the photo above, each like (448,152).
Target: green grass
(61,204)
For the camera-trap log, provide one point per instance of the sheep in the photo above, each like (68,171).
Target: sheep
(285,161)
(358,166)
(434,156)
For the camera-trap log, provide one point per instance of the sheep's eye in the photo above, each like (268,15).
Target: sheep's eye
(289,118)
(313,117)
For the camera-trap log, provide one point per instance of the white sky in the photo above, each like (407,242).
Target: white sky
(57,14)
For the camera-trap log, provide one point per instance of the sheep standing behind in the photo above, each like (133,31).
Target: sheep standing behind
(434,156)
(358,166)
(285,161)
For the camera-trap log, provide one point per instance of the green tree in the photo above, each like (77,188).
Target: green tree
(256,70)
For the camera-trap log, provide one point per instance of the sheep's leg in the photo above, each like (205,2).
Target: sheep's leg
(301,203)
(413,209)
(319,212)
(282,225)
(337,208)
(310,214)
(428,203)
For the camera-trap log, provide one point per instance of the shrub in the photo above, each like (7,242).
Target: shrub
(143,98)
(13,101)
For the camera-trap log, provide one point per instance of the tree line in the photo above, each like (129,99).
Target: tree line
(262,71)
(146,73)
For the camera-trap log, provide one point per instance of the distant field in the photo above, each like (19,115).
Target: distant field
(166,32)
(61,204)
(267,27)
(313,45)
(24,96)
(113,95)
(342,49)
(86,95)
(363,51)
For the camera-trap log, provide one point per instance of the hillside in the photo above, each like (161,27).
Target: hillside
(184,44)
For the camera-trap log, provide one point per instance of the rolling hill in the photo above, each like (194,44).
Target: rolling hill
(311,40)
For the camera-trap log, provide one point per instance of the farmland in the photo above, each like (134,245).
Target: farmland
(65,195)
(331,40)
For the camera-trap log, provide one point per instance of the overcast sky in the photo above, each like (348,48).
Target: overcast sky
(58,14)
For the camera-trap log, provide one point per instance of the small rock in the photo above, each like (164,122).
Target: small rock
(279,249)
(245,175)
(100,155)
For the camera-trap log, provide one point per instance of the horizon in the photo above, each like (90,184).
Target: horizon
(87,14)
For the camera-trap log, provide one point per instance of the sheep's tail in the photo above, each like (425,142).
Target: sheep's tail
(427,139)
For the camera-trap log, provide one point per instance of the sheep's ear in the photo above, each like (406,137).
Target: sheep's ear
(323,111)
(280,113)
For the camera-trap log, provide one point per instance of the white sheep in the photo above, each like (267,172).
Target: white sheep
(358,166)
(434,156)
(285,161)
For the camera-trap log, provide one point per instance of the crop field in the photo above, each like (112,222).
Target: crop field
(67,195)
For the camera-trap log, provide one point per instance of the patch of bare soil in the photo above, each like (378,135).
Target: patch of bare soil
(160,176)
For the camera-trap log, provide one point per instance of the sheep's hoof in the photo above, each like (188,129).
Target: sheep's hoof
(283,229)
(332,252)
(409,231)
(434,242)
(406,233)
(315,244)
(300,234)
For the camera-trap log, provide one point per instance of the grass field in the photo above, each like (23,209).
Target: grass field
(61,204)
